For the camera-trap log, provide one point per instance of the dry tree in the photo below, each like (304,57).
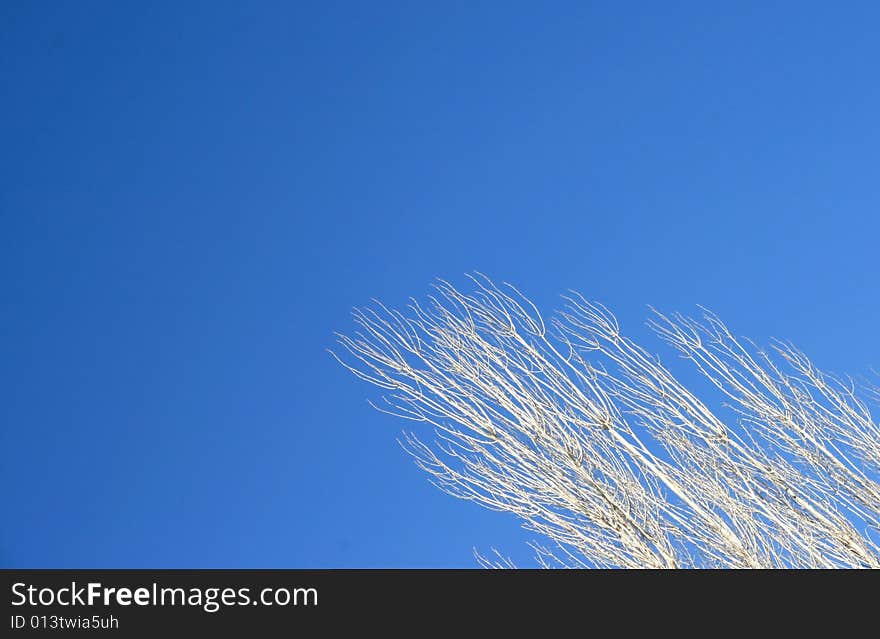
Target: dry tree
(606,455)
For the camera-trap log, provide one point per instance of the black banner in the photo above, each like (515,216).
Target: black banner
(244,602)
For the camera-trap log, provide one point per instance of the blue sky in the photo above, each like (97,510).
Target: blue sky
(194,195)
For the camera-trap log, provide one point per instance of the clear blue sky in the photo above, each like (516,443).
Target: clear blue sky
(194,195)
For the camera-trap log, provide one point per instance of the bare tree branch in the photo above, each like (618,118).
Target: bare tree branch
(603,452)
